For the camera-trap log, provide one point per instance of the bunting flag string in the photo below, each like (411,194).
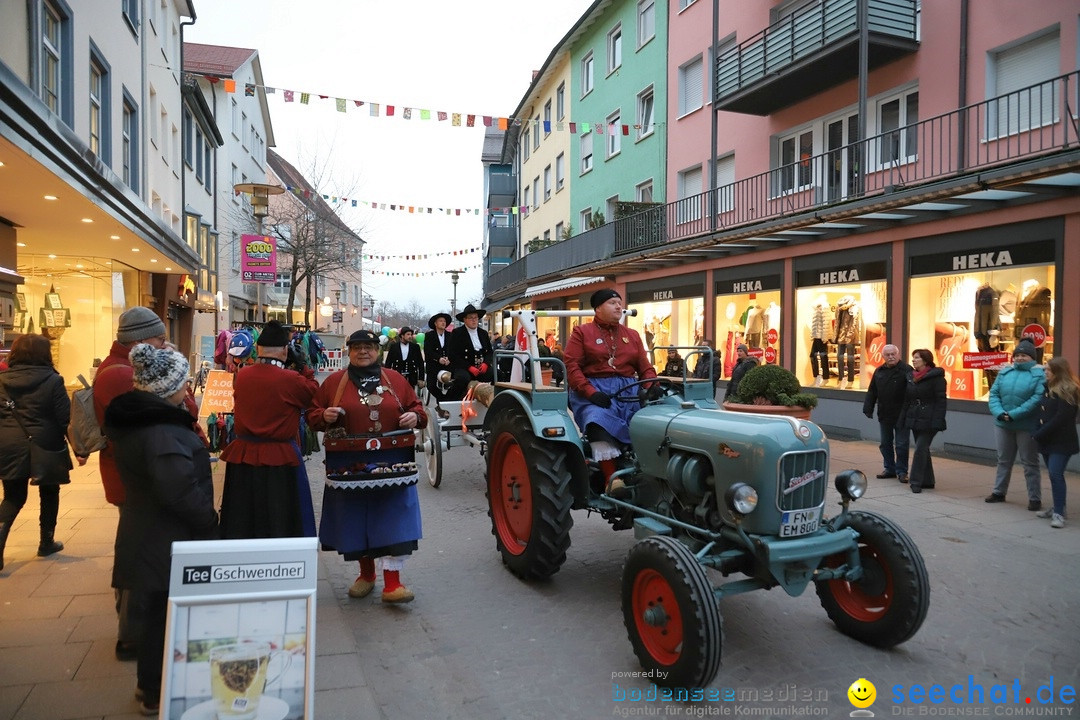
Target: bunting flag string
(522,210)
(456,119)
(419,274)
(422,256)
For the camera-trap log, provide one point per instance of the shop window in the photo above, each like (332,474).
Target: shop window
(668,323)
(981,313)
(751,319)
(840,330)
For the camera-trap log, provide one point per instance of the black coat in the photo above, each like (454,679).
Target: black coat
(165,469)
(412,367)
(433,351)
(888,388)
(924,402)
(1057,427)
(42,404)
(741,368)
(462,353)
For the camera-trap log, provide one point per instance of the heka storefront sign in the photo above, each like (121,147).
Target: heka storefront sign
(258,259)
(1039,252)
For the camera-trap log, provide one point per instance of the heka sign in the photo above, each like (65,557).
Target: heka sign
(982,260)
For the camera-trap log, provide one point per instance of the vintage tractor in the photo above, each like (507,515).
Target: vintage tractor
(738,494)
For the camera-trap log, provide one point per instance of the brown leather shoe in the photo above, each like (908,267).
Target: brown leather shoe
(400,594)
(361,588)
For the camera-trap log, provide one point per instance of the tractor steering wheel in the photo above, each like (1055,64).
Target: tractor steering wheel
(666,386)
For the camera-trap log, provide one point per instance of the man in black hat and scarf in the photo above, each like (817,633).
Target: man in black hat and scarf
(404,357)
(437,353)
(471,356)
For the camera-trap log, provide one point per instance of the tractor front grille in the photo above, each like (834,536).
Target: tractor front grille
(802,478)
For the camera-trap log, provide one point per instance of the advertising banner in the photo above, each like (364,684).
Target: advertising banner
(258,259)
(240,635)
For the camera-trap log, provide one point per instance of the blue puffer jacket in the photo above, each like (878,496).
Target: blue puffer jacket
(1018,390)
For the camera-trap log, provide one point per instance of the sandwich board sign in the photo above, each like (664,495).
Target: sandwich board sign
(240,633)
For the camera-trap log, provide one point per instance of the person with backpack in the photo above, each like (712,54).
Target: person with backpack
(114,378)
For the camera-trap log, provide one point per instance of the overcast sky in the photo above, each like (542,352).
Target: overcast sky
(467,56)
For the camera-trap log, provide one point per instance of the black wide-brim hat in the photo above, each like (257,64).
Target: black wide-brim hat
(362,336)
(436,316)
(469,310)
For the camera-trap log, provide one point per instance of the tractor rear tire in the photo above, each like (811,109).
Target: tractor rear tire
(671,613)
(529,497)
(889,603)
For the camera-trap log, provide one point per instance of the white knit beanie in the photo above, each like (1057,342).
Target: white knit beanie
(161,372)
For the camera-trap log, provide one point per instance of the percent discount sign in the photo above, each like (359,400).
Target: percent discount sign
(1035,333)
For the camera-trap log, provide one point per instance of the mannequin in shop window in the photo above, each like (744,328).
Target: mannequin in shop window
(772,318)
(987,325)
(1035,308)
(819,350)
(848,330)
(754,325)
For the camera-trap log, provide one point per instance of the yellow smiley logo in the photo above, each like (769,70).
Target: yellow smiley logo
(862,693)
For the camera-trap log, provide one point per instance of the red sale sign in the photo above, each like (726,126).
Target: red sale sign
(756,352)
(984,360)
(770,355)
(1035,333)
(772,336)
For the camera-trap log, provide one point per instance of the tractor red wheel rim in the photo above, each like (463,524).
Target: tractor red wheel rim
(855,600)
(511,495)
(657,617)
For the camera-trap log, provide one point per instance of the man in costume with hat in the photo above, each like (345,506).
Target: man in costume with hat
(471,356)
(266,491)
(404,356)
(437,354)
(603,357)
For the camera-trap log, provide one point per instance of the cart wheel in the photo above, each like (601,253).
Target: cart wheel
(671,614)
(889,603)
(529,498)
(432,443)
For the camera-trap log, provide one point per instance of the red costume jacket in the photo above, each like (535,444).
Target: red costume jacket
(590,346)
(107,385)
(268,401)
(357,415)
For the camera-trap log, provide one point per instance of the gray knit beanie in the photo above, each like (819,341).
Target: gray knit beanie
(139,323)
(161,372)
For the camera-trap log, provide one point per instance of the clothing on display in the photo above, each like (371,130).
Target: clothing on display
(754,325)
(987,318)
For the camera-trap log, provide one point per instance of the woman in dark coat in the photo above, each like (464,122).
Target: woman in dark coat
(1056,434)
(40,402)
(165,468)
(924,415)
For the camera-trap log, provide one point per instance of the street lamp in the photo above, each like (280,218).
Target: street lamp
(260,207)
(454,275)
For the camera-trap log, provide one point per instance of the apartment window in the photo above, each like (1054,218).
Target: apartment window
(547,118)
(688,207)
(614,131)
(235,120)
(725,183)
(896,125)
(586,152)
(525,198)
(645,109)
(211,261)
(536,132)
(234,177)
(56,48)
(587,74)
(560,101)
(100,120)
(547,237)
(129,153)
(683,4)
(204,252)
(1014,71)
(586,220)
(163,131)
(282,281)
(795,154)
(560,171)
(691,81)
(208,181)
(243,130)
(614,49)
(646,21)
(644,192)
(198,155)
(536,192)
(547,183)
(130,10)
(560,230)
(189,137)
(525,145)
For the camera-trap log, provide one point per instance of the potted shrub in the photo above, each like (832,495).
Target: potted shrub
(773,390)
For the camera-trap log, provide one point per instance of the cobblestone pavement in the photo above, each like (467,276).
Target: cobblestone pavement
(478,643)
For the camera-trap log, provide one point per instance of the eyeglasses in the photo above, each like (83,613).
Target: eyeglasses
(363,348)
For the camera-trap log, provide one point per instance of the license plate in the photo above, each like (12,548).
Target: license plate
(799,522)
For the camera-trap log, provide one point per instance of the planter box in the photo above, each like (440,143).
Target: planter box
(794,411)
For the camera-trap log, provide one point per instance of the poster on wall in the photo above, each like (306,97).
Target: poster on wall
(240,635)
(950,342)
(258,259)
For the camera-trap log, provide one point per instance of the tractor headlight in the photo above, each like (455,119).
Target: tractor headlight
(851,484)
(741,498)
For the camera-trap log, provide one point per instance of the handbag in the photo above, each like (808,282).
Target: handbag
(47,467)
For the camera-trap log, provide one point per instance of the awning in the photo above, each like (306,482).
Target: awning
(561,285)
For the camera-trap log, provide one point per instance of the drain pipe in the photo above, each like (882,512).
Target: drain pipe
(961,100)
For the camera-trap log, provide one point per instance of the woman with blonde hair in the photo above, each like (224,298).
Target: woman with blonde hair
(1056,434)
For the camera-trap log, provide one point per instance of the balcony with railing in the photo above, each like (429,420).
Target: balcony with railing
(1032,123)
(809,51)
(502,241)
(502,186)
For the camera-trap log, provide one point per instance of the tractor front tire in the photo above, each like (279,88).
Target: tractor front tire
(529,497)
(671,614)
(888,604)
